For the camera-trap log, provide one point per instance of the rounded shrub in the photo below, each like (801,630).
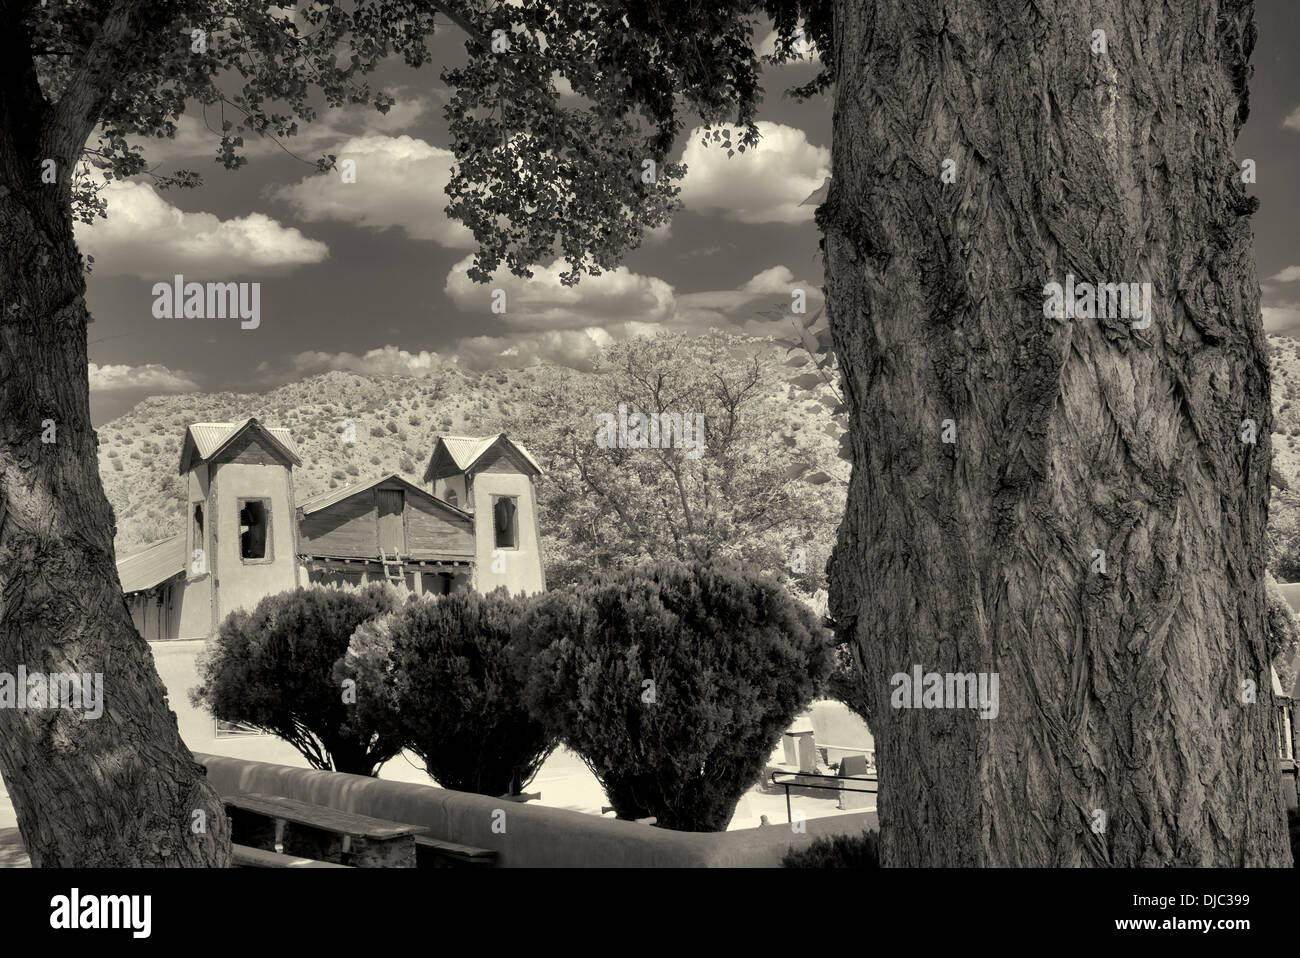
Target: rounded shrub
(674,683)
(273,668)
(442,672)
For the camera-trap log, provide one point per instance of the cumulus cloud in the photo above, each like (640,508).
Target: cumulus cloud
(1292,122)
(1282,319)
(765,184)
(767,48)
(761,306)
(385,361)
(110,378)
(400,183)
(544,303)
(195,136)
(146,236)
(547,322)
(1288,275)
(576,348)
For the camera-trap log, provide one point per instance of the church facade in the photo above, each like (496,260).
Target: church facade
(245,535)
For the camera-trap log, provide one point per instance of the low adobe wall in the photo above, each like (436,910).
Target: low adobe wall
(535,836)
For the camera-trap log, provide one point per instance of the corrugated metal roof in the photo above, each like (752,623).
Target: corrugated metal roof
(209,437)
(154,564)
(467,450)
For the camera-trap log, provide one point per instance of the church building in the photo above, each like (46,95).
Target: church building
(245,535)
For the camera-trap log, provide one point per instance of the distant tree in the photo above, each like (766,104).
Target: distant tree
(441,676)
(273,669)
(674,682)
(744,494)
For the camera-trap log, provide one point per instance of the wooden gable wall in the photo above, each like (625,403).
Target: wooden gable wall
(501,458)
(350,527)
(434,531)
(252,449)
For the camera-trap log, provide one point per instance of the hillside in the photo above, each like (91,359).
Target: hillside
(396,418)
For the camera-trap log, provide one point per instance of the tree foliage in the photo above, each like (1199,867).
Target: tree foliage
(674,683)
(273,668)
(532,175)
(762,491)
(441,676)
(1286,565)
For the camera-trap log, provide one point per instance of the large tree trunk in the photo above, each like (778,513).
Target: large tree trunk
(1121,692)
(121,789)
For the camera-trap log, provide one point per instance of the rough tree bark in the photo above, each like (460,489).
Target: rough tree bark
(1119,691)
(120,790)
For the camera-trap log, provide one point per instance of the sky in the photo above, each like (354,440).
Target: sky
(370,276)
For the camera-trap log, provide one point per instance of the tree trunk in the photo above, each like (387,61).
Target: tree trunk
(121,789)
(1122,737)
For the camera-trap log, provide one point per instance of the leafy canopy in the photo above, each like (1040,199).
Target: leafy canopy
(763,492)
(530,174)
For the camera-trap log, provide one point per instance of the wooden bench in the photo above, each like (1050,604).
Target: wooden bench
(273,823)
(435,853)
(244,857)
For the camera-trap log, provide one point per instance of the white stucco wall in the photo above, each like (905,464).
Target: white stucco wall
(522,565)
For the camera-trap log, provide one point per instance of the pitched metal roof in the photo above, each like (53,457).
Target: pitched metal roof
(326,499)
(465,451)
(153,565)
(210,437)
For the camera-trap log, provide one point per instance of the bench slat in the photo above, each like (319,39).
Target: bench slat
(453,850)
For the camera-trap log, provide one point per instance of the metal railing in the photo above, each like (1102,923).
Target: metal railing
(829,788)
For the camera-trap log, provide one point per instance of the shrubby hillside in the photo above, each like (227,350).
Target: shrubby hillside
(398,418)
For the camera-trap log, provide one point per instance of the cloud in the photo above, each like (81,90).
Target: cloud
(765,184)
(768,47)
(1292,122)
(549,323)
(576,348)
(385,361)
(110,378)
(762,306)
(544,303)
(195,136)
(146,236)
(400,182)
(1282,319)
(1288,275)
